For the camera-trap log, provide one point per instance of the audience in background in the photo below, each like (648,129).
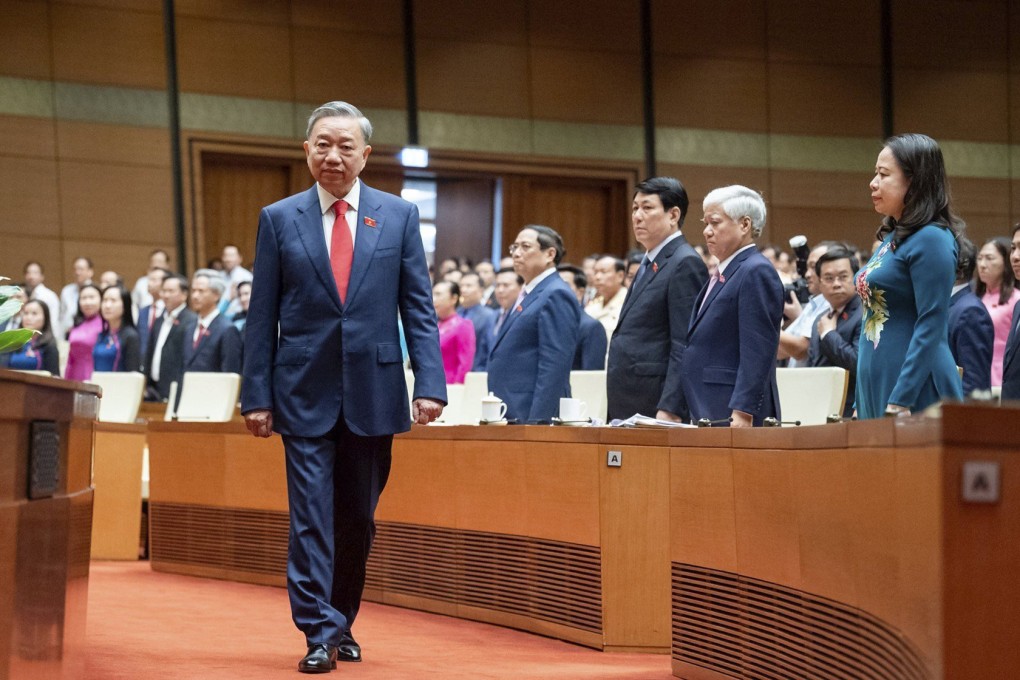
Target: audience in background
(1011,357)
(40,353)
(86,325)
(481,317)
(971,333)
(609,275)
(164,359)
(69,293)
(794,340)
(117,348)
(592,343)
(148,314)
(996,286)
(456,333)
(243,298)
(35,289)
(487,275)
(110,278)
(507,288)
(211,343)
(836,334)
(141,293)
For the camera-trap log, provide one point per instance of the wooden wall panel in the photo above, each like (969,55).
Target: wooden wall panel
(825,100)
(856,226)
(493,23)
(130,260)
(384,17)
(726,94)
(464,212)
(462,77)
(805,31)
(979,195)
(605,25)
(262,12)
(372,66)
(25,36)
(572,85)
(698,180)
(107,202)
(28,191)
(23,247)
(948,34)
(111,47)
(950,104)
(806,188)
(27,137)
(704,519)
(118,144)
(737,28)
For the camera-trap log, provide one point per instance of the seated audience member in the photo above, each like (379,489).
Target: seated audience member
(141,294)
(148,314)
(996,286)
(1011,355)
(507,288)
(837,333)
(971,333)
(164,359)
(110,278)
(69,294)
(85,329)
(729,368)
(244,299)
(211,343)
(609,275)
(529,365)
(456,333)
(592,344)
(645,352)
(35,289)
(481,317)
(117,348)
(795,339)
(40,353)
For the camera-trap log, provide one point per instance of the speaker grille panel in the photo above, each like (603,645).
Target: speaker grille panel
(746,628)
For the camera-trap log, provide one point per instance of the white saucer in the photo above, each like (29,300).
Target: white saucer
(492,422)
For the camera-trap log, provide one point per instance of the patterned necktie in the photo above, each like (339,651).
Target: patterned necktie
(202,332)
(341,250)
(641,271)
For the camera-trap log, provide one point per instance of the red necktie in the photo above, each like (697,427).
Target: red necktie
(341,249)
(152,316)
(202,332)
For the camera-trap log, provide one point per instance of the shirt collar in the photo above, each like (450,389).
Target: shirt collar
(725,263)
(326,199)
(530,286)
(957,289)
(206,320)
(654,252)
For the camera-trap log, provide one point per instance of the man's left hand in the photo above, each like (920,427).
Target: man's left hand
(667,416)
(424,411)
(826,323)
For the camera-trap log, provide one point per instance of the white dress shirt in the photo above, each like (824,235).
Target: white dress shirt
(326,201)
(164,331)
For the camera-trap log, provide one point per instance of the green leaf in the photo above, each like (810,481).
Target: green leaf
(13,340)
(8,291)
(8,309)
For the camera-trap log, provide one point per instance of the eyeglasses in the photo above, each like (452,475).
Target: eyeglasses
(842,278)
(523,247)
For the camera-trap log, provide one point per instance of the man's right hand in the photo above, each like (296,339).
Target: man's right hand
(260,422)
(792,307)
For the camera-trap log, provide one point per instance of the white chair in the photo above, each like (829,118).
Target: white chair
(476,386)
(590,387)
(45,374)
(452,414)
(811,395)
(122,395)
(209,397)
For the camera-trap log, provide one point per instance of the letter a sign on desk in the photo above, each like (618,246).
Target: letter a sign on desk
(980,482)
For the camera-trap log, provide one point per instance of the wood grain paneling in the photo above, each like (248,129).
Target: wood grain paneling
(810,99)
(464,212)
(372,68)
(107,202)
(19,249)
(703,520)
(31,137)
(701,179)
(128,259)
(855,226)
(571,85)
(384,17)
(458,77)
(263,12)
(605,25)
(417,465)
(114,47)
(725,29)
(502,23)
(826,190)
(809,32)
(947,34)
(980,195)
(725,94)
(234,58)
(28,194)
(118,144)
(25,36)
(117,477)
(952,104)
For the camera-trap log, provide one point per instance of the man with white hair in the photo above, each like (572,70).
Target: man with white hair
(211,343)
(729,364)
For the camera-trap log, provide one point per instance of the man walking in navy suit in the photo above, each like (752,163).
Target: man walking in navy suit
(529,365)
(211,343)
(322,366)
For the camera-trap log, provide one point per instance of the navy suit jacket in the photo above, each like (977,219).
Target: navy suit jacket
(219,351)
(330,358)
(730,360)
(483,318)
(531,357)
(643,373)
(591,345)
(971,336)
(839,347)
(142,326)
(1011,360)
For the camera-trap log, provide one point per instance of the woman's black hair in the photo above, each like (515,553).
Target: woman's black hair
(79,317)
(128,319)
(45,336)
(1003,245)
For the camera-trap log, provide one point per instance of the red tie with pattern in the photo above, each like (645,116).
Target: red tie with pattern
(341,249)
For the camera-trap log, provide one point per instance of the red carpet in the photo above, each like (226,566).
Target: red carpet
(145,624)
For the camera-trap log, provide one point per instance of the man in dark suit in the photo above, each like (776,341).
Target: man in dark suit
(211,343)
(836,334)
(164,358)
(729,365)
(971,331)
(149,314)
(529,365)
(1011,358)
(322,366)
(643,374)
(592,343)
(481,317)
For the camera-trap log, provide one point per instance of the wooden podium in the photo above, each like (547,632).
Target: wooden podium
(46,438)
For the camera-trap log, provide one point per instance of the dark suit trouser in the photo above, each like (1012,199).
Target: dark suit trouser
(333,487)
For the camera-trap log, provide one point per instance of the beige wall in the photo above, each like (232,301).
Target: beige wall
(783,95)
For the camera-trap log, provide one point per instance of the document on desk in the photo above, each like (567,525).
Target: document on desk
(638,420)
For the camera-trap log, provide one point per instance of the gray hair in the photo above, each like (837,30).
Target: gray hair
(738,202)
(340,110)
(216,280)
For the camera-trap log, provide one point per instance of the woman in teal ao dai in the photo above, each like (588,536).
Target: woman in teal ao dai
(904,362)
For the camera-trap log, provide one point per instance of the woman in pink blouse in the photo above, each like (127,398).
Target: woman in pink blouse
(456,334)
(87,326)
(996,286)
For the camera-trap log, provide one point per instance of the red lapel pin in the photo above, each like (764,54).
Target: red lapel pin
(369,222)
(520,309)
(722,279)
(655,268)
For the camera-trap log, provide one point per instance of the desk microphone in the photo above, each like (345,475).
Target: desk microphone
(772,422)
(705,422)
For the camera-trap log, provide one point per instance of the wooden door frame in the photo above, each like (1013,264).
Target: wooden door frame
(442,162)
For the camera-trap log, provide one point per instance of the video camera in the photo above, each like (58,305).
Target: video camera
(799,287)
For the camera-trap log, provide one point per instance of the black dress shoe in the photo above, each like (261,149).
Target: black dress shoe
(319,659)
(349,649)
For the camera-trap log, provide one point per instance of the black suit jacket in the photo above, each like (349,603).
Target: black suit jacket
(171,367)
(839,348)
(218,351)
(971,337)
(1011,361)
(643,371)
(591,345)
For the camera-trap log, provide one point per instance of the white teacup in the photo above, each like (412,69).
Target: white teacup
(573,410)
(493,409)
